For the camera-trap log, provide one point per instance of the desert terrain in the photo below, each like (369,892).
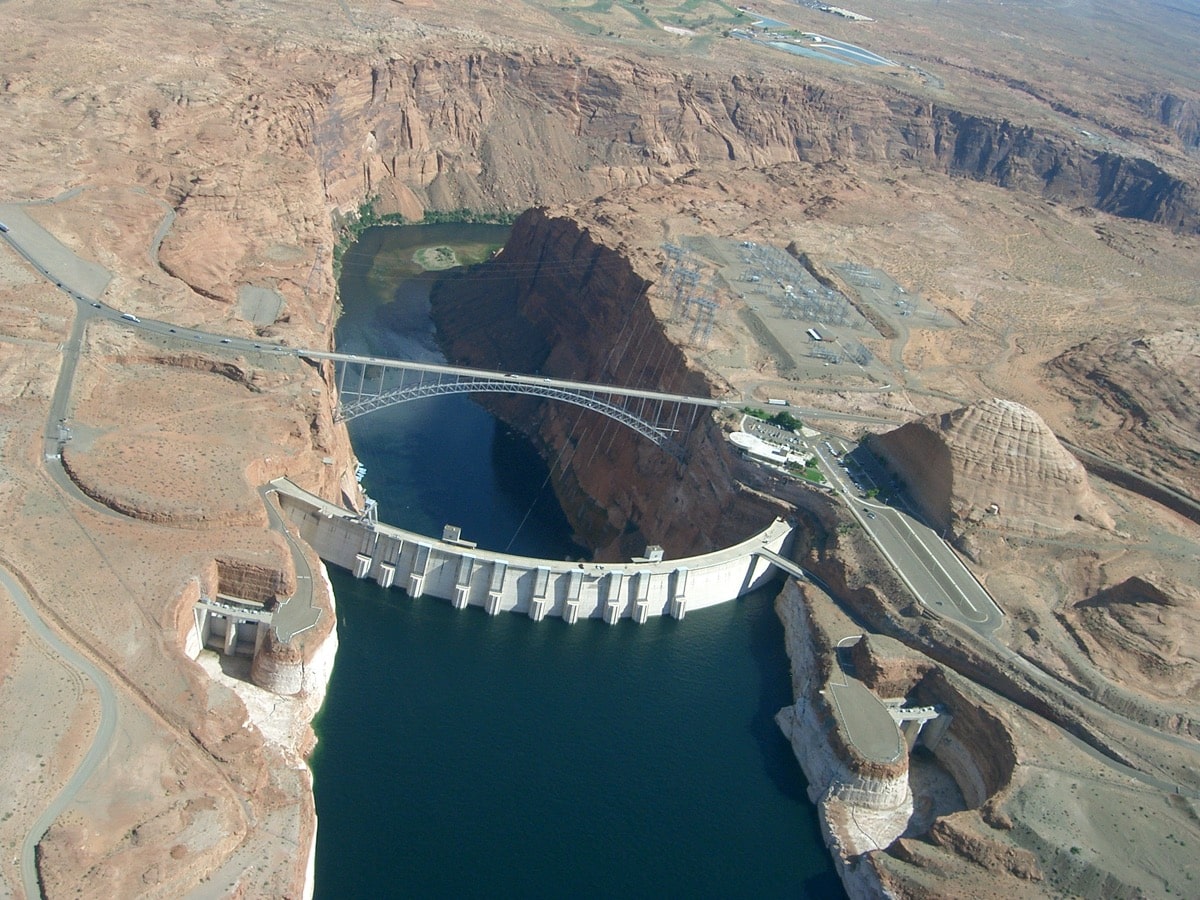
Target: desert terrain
(1007,207)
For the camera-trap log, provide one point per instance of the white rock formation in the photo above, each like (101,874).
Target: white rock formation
(994,459)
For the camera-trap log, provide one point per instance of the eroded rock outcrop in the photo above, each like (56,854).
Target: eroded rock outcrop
(862,804)
(558,302)
(496,130)
(994,461)
(1146,388)
(1140,631)
(868,808)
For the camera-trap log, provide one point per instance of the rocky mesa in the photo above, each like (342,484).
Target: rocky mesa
(209,158)
(993,460)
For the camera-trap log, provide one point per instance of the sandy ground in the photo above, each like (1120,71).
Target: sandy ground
(205,164)
(50,715)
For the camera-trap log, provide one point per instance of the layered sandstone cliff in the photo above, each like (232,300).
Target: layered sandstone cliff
(993,460)
(238,122)
(862,805)
(891,826)
(461,131)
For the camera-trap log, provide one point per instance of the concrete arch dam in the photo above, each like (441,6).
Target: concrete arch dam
(457,571)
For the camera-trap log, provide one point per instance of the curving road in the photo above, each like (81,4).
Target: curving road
(296,613)
(931,570)
(100,743)
(945,587)
(85,282)
(947,590)
(924,562)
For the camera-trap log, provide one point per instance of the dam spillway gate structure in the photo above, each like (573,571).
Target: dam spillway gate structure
(456,570)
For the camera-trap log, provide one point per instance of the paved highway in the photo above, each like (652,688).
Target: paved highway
(932,571)
(100,742)
(85,283)
(297,613)
(944,586)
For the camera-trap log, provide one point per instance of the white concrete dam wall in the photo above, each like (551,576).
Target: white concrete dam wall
(499,582)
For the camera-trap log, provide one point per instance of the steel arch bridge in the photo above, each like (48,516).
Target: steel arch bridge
(367,384)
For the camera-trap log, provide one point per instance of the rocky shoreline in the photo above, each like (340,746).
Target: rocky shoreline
(1041,199)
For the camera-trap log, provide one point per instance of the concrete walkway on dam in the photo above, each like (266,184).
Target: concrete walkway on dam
(458,571)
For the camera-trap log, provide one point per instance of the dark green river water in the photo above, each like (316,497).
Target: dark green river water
(463,755)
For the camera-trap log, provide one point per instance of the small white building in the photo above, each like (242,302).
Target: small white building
(764,450)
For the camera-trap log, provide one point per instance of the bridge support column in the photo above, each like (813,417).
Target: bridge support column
(260,635)
(418,570)
(230,636)
(203,627)
(362,565)
(496,587)
(386,575)
(540,603)
(614,597)
(911,730)
(934,730)
(574,596)
(462,596)
(678,607)
(641,590)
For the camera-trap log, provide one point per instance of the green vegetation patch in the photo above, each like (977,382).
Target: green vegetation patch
(435,259)
(808,472)
(783,420)
(350,227)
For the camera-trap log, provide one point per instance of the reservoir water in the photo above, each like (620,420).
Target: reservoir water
(464,755)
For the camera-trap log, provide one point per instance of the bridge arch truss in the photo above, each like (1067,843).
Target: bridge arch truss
(664,419)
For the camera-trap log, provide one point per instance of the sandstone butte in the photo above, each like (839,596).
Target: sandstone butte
(1034,187)
(959,464)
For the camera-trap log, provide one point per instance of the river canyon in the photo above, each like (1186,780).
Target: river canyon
(1031,194)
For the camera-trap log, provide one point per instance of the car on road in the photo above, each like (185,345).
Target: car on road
(97,305)
(224,340)
(3,228)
